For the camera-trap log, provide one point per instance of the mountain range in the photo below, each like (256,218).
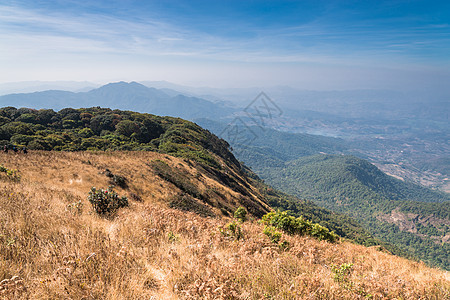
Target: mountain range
(403,134)
(122,95)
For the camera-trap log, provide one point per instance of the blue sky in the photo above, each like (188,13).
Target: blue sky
(304,44)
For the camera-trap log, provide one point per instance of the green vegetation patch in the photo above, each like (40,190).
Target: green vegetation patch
(298,226)
(11,174)
(106,202)
(102,129)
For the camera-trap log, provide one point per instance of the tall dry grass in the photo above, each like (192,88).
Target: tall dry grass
(49,250)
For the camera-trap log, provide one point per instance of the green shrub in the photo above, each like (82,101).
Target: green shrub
(106,202)
(232,230)
(342,274)
(298,226)
(241,214)
(322,233)
(275,237)
(11,174)
(273,234)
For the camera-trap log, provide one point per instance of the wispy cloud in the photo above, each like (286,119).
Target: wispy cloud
(37,32)
(38,38)
(106,33)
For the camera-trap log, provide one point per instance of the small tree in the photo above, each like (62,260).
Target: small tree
(106,202)
(273,234)
(232,230)
(241,214)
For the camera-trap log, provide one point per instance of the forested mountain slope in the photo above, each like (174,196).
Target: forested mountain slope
(414,218)
(105,129)
(261,147)
(171,227)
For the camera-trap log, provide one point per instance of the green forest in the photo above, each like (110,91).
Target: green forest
(105,129)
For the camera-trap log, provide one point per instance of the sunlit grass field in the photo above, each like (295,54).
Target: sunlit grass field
(53,246)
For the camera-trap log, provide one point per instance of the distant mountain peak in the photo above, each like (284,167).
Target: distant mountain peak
(123,95)
(122,84)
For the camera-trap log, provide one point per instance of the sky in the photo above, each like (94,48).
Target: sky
(313,45)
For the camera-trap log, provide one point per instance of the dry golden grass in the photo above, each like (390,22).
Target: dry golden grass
(148,251)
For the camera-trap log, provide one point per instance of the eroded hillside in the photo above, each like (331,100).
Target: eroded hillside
(52,245)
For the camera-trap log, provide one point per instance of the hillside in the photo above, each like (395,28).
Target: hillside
(414,218)
(52,245)
(400,213)
(105,129)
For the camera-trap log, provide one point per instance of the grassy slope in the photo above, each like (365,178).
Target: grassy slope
(58,253)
